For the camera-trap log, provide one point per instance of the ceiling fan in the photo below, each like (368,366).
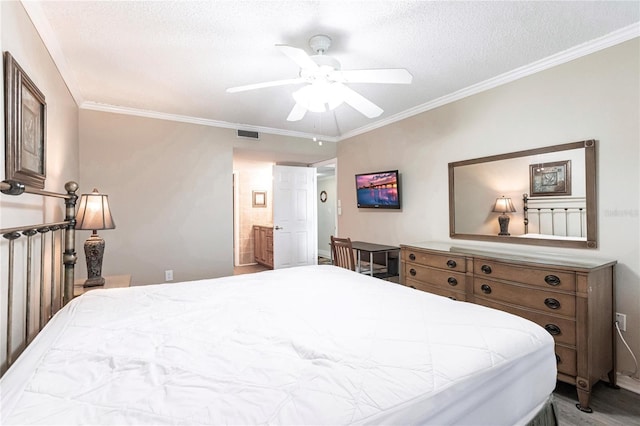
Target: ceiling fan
(325,82)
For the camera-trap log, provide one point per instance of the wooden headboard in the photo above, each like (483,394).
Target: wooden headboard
(44,278)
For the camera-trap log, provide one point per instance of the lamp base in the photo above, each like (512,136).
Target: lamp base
(94,282)
(94,251)
(503,220)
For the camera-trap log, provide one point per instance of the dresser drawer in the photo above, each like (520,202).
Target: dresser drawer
(440,291)
(563,330)
(543,277)
(443,261)
(437,277)
(566,360)
(530,297)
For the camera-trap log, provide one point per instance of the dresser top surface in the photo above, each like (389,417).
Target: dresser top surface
(573,261)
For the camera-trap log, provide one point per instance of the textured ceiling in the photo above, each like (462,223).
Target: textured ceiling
(175,59)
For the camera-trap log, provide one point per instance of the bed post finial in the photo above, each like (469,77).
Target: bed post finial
(70,257)
(11,187)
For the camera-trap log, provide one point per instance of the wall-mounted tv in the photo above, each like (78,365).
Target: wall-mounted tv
(379,190)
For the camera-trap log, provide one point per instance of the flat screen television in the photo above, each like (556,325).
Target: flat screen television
(379,190)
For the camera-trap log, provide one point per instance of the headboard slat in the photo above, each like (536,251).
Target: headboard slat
(11,236)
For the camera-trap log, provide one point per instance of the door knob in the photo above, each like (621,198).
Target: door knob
(278,227)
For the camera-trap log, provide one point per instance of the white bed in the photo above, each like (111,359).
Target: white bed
(309,345)
(551,237)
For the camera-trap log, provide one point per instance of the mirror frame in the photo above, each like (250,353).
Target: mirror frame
(590,194)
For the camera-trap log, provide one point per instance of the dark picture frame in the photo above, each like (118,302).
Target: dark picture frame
(25,127)
(550,179)
(259,198)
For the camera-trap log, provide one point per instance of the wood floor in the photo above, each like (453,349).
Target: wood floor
(611,407)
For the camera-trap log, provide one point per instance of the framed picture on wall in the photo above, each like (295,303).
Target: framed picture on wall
(550,179)
(259,198)
(25,127)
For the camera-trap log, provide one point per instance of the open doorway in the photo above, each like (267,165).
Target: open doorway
(252,179)
(252,170)
(327,207)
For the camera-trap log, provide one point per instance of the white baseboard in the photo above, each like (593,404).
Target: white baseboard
(628,383)
(324,253)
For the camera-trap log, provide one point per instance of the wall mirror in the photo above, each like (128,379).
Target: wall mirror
(544,196)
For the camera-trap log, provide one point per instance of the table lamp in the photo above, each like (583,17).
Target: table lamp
(504,205)
(94,214)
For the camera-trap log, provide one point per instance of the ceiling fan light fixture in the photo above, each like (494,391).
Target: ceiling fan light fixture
(320,96)
(325,81)
(326,63)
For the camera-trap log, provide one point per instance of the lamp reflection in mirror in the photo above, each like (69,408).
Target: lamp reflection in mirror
(94,214)
(503,205)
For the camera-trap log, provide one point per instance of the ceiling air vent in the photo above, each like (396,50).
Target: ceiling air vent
(247,134)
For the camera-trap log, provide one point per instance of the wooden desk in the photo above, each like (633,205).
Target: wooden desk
(372,248)
(114,281)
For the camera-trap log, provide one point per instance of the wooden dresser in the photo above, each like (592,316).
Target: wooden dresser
(263,245)
(571,298)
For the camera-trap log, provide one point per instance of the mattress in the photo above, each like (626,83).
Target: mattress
(306,345)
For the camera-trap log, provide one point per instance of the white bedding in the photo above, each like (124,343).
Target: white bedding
(308,345)
(552,237)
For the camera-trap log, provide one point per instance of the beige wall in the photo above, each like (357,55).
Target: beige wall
(594,97)
(20,38)
(170,189)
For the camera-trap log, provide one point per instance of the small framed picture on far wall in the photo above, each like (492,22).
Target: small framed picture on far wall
(259,198)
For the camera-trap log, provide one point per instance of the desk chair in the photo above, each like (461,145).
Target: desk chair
(342,252)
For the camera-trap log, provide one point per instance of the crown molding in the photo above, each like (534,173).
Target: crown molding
(609,40)
(197,120)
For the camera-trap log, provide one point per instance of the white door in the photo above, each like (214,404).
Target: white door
(295,226)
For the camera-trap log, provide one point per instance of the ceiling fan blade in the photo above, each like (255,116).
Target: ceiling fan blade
(298,56)
(359,102)
(297,113)
(265,84)
(388,76)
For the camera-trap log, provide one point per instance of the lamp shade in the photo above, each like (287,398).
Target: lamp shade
(94,213)
(504,205)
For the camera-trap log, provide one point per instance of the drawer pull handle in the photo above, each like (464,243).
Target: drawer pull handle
(552,329)
(552,303)
(412,256)
(486,269)
(452,298)
(412,272)
(413,287)
(552,280)
(451,263)
(486,288)
(558,359)
(452,281)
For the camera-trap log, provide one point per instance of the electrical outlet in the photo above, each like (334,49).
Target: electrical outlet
(168,275)
(622,321)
